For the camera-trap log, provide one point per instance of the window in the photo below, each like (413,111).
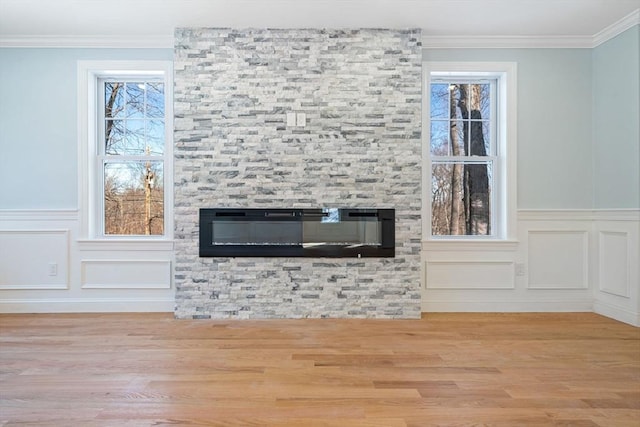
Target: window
(126,139)
(131,155)
(470,151)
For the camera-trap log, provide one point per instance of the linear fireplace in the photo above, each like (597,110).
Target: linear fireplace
(329,232)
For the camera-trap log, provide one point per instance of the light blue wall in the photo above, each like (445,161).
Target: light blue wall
(616,122)
(578,126)
(38,123)
(554,122)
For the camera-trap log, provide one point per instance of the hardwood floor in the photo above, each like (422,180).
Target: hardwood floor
(570,369)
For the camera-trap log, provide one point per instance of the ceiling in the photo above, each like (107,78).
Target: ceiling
(69,22)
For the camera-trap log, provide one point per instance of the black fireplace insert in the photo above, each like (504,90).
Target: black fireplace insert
(326,232)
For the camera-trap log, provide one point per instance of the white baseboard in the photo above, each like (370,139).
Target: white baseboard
(507,306)
(617,313)
(85,305)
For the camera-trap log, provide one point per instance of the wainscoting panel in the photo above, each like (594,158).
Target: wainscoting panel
(558,259)
(616,267)
(46,267)
(547,269)
(469,275)
(34,259)
(613,265)
(126,274)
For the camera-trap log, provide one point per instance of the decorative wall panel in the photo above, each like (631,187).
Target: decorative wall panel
(558,259)
(126,274)
(34,259)
(470,275)
(614,263)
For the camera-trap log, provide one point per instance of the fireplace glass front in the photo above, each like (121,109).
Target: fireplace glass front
(329,232)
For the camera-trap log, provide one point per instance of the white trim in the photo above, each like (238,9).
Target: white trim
(550,306)
(579,215)
(38,214)
(506,181)
(125,286)
(555,215)
(616,28)
(86,305)
(428,42)
(506,42)
(616,215)
(35,287)
(616,312)
(88,73)
(125,245)
(86,99)
(106,41)
(162,41)
(62,231)
(470,245)
(532,42)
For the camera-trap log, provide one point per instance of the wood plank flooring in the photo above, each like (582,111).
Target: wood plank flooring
(569,369)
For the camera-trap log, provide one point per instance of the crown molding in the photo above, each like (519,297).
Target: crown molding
(519,42)
(505,42)
(428,41)
(106,41)
(617,28)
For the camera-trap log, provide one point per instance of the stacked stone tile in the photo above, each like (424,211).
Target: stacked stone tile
(360,147)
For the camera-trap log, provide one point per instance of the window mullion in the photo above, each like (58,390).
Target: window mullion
(463,159)
(141,158)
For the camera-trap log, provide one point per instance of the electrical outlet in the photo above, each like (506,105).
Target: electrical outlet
(53,269)
(520,269)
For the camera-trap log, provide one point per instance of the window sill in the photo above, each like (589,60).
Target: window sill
(124,245)
(470,245)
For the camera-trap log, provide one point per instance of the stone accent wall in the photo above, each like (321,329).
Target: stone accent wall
(360,147)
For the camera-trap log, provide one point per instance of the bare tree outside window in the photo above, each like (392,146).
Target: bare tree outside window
(133,168)
(461,158)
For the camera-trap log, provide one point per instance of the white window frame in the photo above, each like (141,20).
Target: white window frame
(505,181)
(90,186)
